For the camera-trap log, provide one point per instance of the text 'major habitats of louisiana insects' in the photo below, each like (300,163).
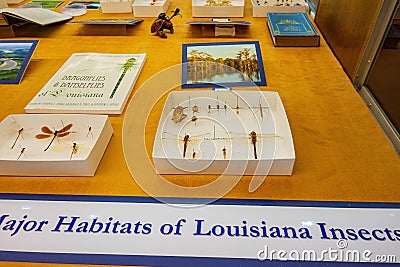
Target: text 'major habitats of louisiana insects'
(50,137)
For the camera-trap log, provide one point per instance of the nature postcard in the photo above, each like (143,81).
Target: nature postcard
(223,64)
(14,59)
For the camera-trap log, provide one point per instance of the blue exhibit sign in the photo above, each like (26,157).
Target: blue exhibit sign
(144,231)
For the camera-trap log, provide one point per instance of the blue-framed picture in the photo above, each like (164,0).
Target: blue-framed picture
(15,56)
(222,64)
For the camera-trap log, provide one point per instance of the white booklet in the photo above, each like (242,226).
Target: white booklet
(41,16)
(90,83)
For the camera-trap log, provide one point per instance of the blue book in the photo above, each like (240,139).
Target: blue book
(292,29)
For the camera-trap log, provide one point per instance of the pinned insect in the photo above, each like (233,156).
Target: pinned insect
(178,114)
(185,140)
(260,108)
(17,133)
(74,149)
(224,152)
(129,64)
(237,108)
(163,22)
(217,106)
(89,132)
(195,110)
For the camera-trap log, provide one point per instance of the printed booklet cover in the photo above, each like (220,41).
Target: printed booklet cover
(90,83)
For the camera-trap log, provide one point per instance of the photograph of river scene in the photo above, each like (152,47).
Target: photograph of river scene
(14,58)
(224,64)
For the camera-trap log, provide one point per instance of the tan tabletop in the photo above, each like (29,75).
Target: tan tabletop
(341,152)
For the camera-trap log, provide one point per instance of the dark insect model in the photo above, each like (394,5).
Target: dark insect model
(163,22)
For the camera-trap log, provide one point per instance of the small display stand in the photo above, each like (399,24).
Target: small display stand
(216,132)
(262,7)
(150,8)
(53,144)
(220,27)
(218,8)
(106,27)
(116,6)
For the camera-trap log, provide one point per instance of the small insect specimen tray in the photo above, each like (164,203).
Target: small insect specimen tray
(150,8)
(262,7)
(218,8)
(230,132)
(53,144)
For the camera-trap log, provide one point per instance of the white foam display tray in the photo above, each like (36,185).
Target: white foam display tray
(223,120)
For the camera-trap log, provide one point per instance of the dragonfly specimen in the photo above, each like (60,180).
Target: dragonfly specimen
(47,133)
(185,140)
(195,110)
(71,149)
(235,141)
(253,136)
(237,108)
(129,64)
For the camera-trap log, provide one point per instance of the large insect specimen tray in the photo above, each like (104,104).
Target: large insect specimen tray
(218,8)
(223,132)
(53,144)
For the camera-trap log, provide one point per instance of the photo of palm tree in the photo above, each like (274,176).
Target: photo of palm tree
(222,64)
